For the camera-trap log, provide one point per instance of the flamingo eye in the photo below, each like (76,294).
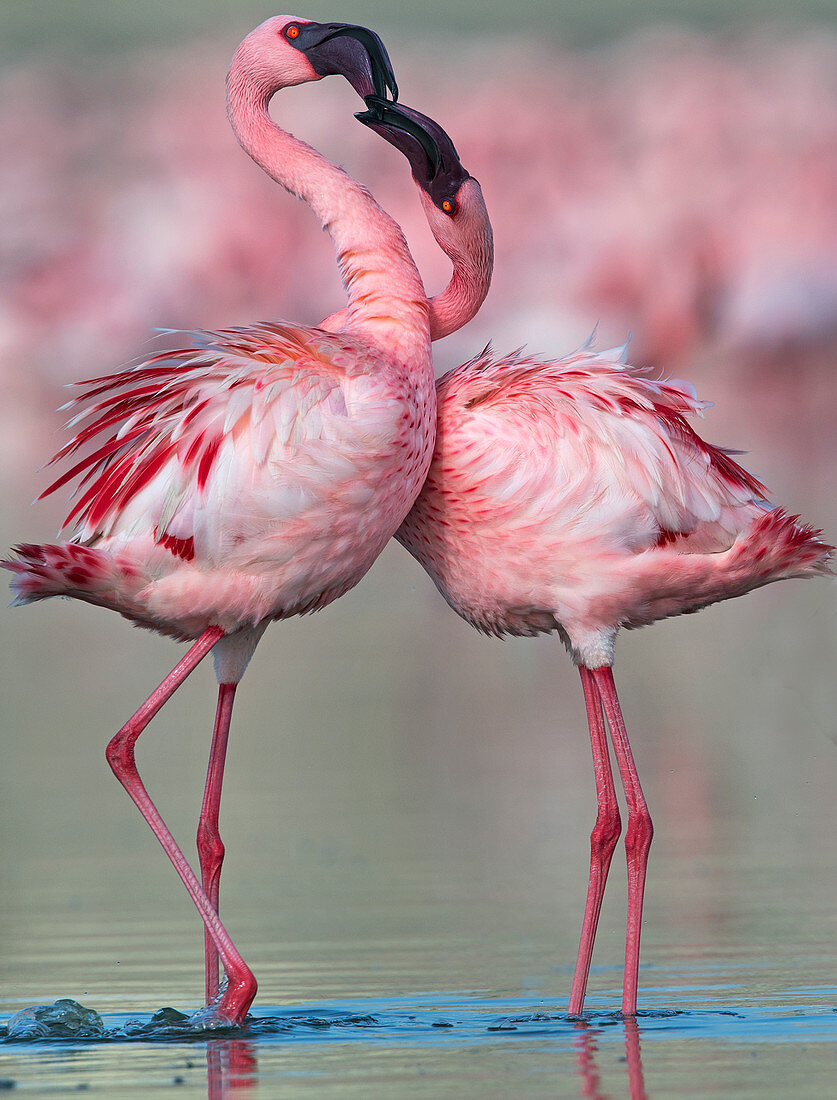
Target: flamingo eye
(292,31)
(449,206)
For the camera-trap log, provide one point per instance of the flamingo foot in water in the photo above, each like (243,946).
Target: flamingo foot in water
(230,1007)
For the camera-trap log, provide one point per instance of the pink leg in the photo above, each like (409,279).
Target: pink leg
(241,988)
(638,836)
(210,845)
(602,840)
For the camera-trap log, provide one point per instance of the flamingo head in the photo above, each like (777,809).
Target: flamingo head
(285,50)
(451,197)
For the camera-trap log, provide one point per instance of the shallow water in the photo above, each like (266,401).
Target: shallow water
(370,865)
(460,1045)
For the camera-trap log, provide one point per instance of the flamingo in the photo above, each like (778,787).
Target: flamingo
(254,473)
(572,496)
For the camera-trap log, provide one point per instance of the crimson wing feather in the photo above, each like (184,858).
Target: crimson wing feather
(181,405)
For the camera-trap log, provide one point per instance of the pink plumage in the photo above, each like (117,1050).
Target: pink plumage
(573,495)
(209,469)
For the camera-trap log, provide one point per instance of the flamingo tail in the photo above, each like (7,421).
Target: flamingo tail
(779,547)
(775,547)
(63,569)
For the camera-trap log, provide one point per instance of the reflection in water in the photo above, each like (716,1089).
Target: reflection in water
(586,1047)
(230,1065)
(636,1079)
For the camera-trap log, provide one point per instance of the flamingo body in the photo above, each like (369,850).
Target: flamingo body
(572,495)
(257,472)
(252,476)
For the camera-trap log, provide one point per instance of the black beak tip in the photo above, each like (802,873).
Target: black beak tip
(375,107)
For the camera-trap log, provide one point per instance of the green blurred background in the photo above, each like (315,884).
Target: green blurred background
(82,25)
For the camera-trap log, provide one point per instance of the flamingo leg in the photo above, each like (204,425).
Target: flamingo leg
(638,835)
(210,845)
(602,839)
(241,985)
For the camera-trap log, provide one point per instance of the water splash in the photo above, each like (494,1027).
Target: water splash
(65,1019)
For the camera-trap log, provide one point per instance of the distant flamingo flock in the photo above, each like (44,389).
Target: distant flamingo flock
(677,187)
(256,472)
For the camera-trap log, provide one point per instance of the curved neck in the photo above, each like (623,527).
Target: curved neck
(461,299)
(470,249)
(383,286)
(468,241)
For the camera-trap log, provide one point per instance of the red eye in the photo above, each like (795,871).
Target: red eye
(449,206)
(292,31)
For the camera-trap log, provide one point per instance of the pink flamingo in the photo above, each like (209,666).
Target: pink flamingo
(255,473)
(572,495)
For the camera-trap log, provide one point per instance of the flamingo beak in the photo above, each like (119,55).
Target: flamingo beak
(354,52)
(406,133)
(433,158)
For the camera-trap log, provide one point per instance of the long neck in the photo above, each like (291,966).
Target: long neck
(386,298)
(470,251)
(470,280)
